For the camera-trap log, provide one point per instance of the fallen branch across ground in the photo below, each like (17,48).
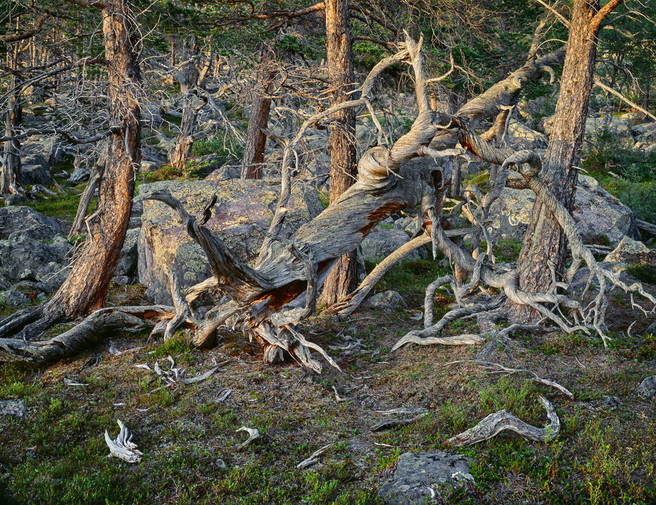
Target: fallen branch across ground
(503,369)
(500,421)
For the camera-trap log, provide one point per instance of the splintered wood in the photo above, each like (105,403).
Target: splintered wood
(123,447)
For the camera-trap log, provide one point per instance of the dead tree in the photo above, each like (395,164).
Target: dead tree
(253,159)
(270,299)
(192,79)
(10,162)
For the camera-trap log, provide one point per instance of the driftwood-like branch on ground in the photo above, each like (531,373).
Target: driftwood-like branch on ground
(253,434)
(500,421)
(123,447)
(499,368)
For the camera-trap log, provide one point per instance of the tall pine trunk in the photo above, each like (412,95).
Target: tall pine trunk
(544,242)
(343,165)
(85,288)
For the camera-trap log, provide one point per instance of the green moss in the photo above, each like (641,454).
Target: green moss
(644,273)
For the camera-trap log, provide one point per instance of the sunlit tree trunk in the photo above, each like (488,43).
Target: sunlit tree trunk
(544,242)
(343,168)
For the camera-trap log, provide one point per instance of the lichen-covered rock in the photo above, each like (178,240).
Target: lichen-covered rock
(14,408)
(426,478)
(16,221)
(34,252)
(126,269)
(24,258)
(645,137)
(243,206)
(632,252)
(387,300)
(618,127)
(35,174)
(647,388)
(520,136)
(597,213)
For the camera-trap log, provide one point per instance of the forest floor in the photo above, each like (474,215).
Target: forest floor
(605,452)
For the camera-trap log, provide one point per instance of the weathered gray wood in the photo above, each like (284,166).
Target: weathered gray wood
(500,421)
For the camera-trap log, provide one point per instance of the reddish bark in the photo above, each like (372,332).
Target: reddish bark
(343,163)
(544,242)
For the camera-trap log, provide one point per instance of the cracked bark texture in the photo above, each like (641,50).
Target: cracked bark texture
(343,165)
(252,162)
(191,103)
(544,241)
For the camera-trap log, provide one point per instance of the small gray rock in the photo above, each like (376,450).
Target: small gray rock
(387,300)
(14,408)
(425,478)
(647,388)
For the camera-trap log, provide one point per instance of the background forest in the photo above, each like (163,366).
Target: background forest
(223,217)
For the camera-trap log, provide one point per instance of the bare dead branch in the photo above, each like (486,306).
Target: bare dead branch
(500,421)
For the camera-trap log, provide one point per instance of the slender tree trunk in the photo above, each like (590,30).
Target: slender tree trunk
(190,104)
(343,168)
(86,285)
(10,179)
(251,167)
(544,242)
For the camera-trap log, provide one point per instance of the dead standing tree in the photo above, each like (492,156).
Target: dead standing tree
(271,298)
(191,77)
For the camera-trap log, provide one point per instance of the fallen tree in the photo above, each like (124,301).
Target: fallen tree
(270,299)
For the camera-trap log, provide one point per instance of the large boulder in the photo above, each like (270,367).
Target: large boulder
(35,174)
(244,207)
(645,137)
(632,252)
(618,127)
(27,259)
(45,151)
(597,213)
(126,269)
(34,255)
(520,136)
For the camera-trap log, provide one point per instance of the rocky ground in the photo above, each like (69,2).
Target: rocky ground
(379,423)
(52,448)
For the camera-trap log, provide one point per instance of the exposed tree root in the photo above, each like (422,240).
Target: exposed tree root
(499,368)
(500,421)
(91,330)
